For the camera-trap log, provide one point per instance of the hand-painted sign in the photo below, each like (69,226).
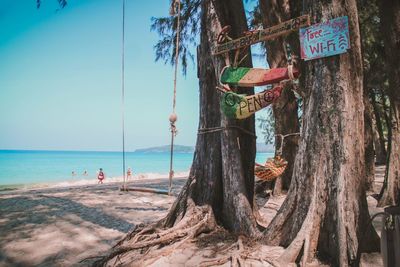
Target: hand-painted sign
(325,39)
(263,35)
(249,77)
(237,106)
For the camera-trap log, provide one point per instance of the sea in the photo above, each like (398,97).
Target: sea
(34,168)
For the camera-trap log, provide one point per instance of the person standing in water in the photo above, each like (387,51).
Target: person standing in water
(129,173)
(101,176)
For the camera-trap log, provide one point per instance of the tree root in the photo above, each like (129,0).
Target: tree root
(197,220)
(238,253)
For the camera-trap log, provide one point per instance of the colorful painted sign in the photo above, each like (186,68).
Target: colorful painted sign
(237,106)
(325,39)
(263,35)
(249,77)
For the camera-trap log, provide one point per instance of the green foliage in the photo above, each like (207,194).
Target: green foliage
(61,3)
(254,20)
(189,29)
(267,126)
(375,74)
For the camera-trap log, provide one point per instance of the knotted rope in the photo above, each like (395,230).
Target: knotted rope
(175,10)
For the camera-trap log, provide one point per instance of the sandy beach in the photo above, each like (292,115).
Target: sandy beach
(60,226)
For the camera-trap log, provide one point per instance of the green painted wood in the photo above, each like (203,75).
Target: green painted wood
(233,75)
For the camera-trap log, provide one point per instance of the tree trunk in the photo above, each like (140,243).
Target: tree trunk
(390,24)
(285,108)
(380,146)
(326,209)
(369,143)
(223,166)
(221,181)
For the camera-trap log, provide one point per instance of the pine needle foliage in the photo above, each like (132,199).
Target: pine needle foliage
(166,27)
(61,3)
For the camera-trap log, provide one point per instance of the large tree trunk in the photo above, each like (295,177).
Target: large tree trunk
(285,108)
(369,143)
(222,173)
(380,146)
(390,24)
(326,208)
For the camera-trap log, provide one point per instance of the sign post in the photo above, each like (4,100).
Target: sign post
(263,35)
(325,39)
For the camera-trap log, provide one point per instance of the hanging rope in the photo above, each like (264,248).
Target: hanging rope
(123,93)
(279,151)
(175,10)
(219,129)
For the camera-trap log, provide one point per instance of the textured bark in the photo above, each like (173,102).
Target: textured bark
(326,210)
(380,146)
(238,148)
(369,143)
(390,25)
(223,166)
(285,108)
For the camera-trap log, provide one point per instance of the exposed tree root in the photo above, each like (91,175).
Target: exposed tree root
(197,220)
(239,253)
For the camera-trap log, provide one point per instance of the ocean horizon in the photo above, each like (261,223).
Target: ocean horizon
(23,168)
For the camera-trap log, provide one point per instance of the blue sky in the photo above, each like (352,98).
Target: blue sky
(60,78)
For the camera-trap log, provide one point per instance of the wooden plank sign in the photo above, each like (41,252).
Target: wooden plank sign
(249,77)
(325,39)
(263,35)
(237,106)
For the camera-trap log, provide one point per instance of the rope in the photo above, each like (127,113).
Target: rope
(219,129)
(288,51)
(123,93)
(279,151)
(173,117)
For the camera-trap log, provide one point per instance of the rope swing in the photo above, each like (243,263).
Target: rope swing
(174,11)
(123,94)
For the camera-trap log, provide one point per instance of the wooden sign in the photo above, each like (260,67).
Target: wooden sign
(249,77)
(263,35)
(238,106)
(325,39)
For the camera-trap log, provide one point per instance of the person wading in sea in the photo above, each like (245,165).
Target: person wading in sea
(101,176)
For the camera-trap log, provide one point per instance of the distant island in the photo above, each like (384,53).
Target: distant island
(261,148)
(166,148)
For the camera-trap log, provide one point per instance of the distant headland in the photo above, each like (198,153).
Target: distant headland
(261,148)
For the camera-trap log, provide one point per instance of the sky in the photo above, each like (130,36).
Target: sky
(60,78)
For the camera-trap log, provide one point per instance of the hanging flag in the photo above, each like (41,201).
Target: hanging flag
(238,106)
(325,39)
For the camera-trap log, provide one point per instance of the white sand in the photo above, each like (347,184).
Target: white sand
(60,226)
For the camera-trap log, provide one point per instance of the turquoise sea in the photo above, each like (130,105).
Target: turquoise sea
(26,167)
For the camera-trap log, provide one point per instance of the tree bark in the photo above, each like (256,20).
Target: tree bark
(223,166)
(285,108)
(326,209)
(390,25)
(380,145)
(368,143)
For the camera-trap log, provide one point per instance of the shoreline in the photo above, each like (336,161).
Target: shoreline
(74,182)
